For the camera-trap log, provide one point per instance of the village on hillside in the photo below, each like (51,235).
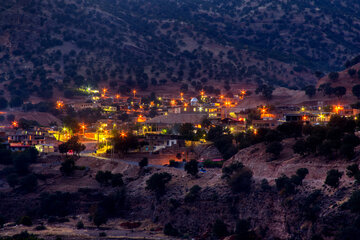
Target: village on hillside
(165,128)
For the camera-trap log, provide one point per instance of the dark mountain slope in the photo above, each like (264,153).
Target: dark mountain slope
(51,43)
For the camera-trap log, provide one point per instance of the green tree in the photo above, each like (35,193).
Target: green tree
(157,182)
(220,229)
(333,178)
(3,103)
(274,148)
(187,131)
(144,162)
(356,91)
(192,167)
(310,91)
(334,76)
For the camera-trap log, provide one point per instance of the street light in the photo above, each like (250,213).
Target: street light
(59,104)
(15,124)
(83,126)
(134,92)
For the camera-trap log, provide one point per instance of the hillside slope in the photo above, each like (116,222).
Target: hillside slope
(57,43)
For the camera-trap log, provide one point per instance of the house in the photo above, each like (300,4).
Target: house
(86,105)
(271,124)
(25,137)
(159,123)
(157,142)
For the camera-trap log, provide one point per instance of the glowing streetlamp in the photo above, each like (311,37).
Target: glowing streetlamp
(123,135)
(134,92)
(15,124)
(117,96)
(83,126)
(263,110)
(243,92)
(173,102)
(59,104)
(181,96)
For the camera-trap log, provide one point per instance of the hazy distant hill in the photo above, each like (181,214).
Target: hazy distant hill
(55,43)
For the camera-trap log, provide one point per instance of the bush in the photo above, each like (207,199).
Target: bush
(157,182)
(40,228)
(68,166)
(99,218)
(170,230)
(275,148)
(241,180)
(12,180)
(353,171)
(193,193)
(285,185)
(56,204)
(144,162)
(333,178)
(25,220)
(354,202)
(29,183)
(80,225)
(220,229)
(192,167)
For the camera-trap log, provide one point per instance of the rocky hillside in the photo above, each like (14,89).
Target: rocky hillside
(48,44)
(313,210)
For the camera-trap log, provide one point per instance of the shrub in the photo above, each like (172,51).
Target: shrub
(193,193)
(170,230)
(241,180)
(157,182)
(68,166)
(354,202)
(192,167)
(285,185)
(56,204)
(40,228)
(220,229)
(275,148)
(333,178)
(116,180)
(99,218)
(353,171)
(29,183)
(25,220)
(12,180)
(265,185)
(80,225)
(300,147)
(144,162)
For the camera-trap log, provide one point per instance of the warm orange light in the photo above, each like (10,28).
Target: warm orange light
(221,97)
(59,104)
(263,110)
(141,118)
(305,118)
(243,92)
(15,124)
(104,90)
(338,108)
(185,104)
(202,93)
(181,94)
(117,96)
(123,134)
(173,102)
